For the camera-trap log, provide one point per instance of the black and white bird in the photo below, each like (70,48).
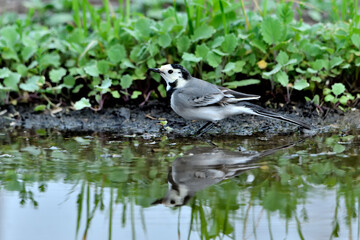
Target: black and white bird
(196,99)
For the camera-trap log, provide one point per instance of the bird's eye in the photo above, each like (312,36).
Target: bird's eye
(172,201)
(170,71)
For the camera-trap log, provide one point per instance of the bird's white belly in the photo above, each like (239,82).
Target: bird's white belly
(210,113)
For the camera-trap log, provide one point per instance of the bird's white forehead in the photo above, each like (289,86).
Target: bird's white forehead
(166,67)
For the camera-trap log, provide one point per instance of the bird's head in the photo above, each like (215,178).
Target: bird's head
(175,75)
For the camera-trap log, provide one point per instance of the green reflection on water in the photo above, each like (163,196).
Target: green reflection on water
(230,192)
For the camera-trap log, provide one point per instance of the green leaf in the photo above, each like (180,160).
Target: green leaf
(57,74)
(301,84)
(344,99)
(239,66)
(246,82)
(229,43)
(282,58)
(213,59)
(12,81)
(103,66)
(338,88)
(190,57)
(135,94)
(336,61)
(126,81)
(10,35)
(40,108)
(329,98)
(82,103)
(4,72)
(285,13)
(142,26)
(282,78)
(27,52)
(49,59)
(116,53)
(21,69)
(271,30)
(106,83)
(183,44)
(33,84)
(338,148)
(203,32)
(202,51)
(229,67)
(69,81)
(115,94)
(164,40)
(272,72)
(355,38)
(92,70)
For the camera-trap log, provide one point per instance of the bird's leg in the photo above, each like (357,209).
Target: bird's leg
(207,126)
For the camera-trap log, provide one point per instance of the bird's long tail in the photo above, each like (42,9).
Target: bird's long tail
(259,111)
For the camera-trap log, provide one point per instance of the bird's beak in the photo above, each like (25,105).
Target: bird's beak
(154,70)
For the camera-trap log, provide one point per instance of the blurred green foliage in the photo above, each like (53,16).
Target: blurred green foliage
(74,52)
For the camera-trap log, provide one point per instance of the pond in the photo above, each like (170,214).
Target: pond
(105,186)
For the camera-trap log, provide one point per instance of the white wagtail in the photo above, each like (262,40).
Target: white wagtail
(196,99)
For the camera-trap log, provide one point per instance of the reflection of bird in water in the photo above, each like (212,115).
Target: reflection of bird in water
(201,167)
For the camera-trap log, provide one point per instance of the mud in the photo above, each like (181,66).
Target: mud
(156,119)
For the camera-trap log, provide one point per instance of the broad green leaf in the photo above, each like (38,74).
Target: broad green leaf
(142,26)
(338,148)
(92,70)
(103,66)
(242,83)
(27,52)
(229,67)
(116,53)
(69,81)
(344,99)
(12,81)
(229,43)
(239,66)
(301,84)
(135,94)
(190,57)
(203,32)
(329,98)
(282,78)
(164,40)
(57,74)
(355,38)
(115,94)
(183,44)
(271,30)
(33,84)
(217,42)
(106,83)
(21,69)
(82,103)
(336,61)
(338,88)
(282,58)
(40,108)
(49,59)
(4,72)
(202,51)
(10,35)
(213,59)
(126,81)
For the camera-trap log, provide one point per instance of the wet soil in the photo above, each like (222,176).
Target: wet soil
(156,119)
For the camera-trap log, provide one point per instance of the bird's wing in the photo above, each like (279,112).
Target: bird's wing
(234,96)
(199,93)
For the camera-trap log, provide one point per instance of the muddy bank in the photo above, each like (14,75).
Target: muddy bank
(157,118)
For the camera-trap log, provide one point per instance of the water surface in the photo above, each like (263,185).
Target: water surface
(60,186)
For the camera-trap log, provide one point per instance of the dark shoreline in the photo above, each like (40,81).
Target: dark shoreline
(150,121)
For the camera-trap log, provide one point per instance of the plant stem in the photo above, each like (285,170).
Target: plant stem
(223,16)
(190,24)
(244,13)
